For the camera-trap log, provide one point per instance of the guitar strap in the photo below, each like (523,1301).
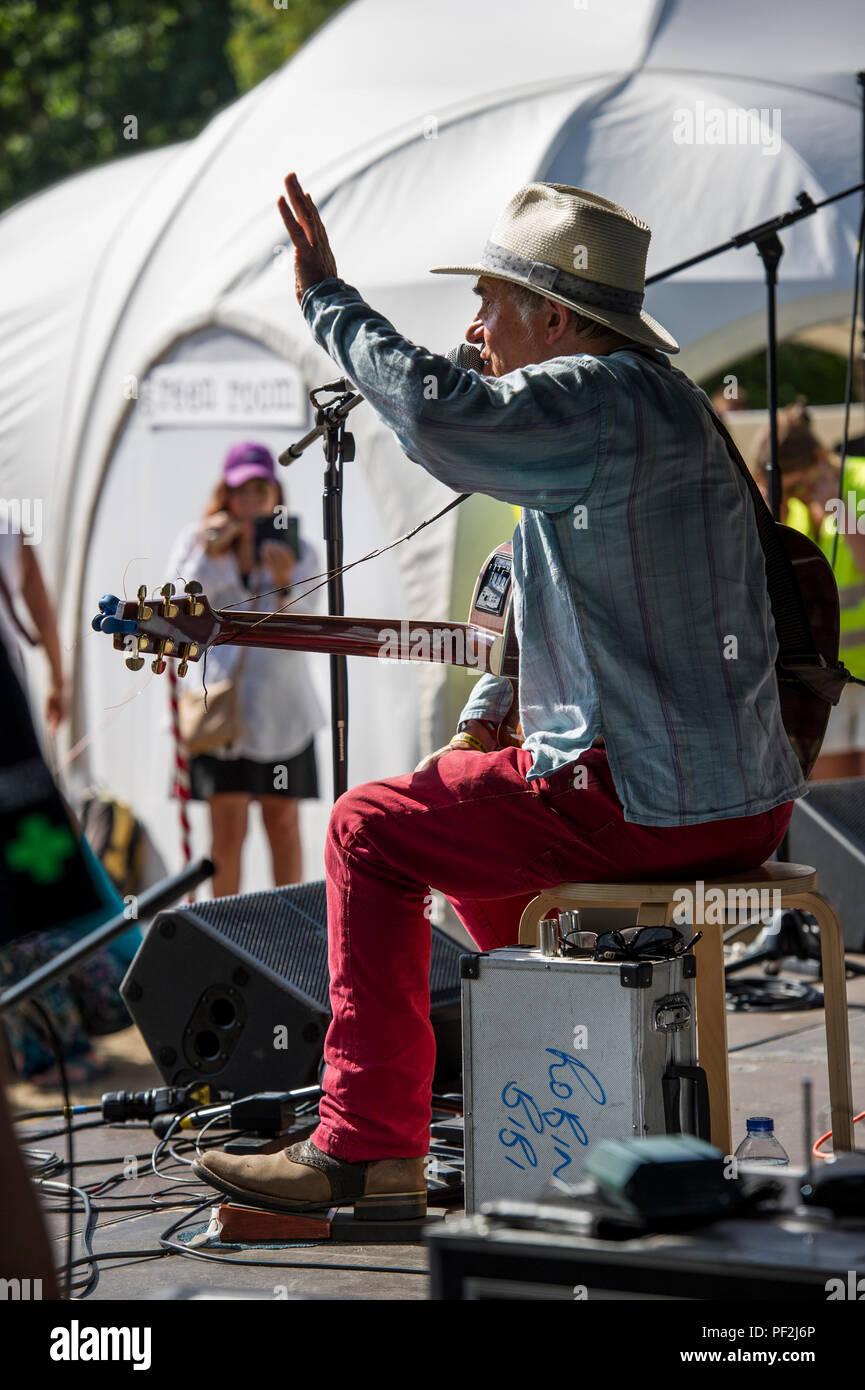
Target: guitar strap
(797,654)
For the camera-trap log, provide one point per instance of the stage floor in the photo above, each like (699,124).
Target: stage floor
(770,1055)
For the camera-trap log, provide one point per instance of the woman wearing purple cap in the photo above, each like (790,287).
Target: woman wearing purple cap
(272,760)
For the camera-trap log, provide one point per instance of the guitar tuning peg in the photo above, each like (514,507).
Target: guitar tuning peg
(183,668)
(157,666)
(144,613)
(193,589)
(108,623)
(171,609)
(135,663)
(108,606)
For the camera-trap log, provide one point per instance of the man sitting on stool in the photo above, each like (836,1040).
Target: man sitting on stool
(644,625)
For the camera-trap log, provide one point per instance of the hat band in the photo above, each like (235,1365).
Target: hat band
(561,282)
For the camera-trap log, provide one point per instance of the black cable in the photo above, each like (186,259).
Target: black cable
(42,1163)
(774,1037)
(91,1216)
(57,1133)
(143,1208)
(756,993)
(91,1212)
(112,1158)
(35,1005)
(23,1115)
(120,1255)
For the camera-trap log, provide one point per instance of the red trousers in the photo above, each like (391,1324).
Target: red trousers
(474,828)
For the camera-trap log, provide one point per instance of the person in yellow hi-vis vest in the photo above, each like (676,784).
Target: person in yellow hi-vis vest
(810,478)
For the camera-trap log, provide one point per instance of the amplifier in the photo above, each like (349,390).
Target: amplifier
(235,991)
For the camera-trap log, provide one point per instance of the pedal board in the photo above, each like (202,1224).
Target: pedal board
(240,1225)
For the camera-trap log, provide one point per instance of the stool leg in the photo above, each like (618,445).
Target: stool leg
(835,1005)
(712,1033)
(654,914)
(533,914)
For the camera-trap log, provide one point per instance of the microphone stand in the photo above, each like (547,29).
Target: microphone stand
(770,250)
(152,901)
(338,446)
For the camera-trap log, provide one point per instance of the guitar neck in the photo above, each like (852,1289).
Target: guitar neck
(387,639)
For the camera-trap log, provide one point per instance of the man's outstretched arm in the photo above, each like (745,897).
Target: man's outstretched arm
(531,438)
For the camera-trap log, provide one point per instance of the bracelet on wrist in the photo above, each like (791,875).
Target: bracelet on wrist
(463,740)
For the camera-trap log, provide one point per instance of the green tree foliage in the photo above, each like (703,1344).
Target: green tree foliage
(802,371)
(73,75)
(267,33)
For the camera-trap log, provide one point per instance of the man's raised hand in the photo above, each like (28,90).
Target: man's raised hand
(313,258)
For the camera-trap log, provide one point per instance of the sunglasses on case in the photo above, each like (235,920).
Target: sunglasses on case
(643,943)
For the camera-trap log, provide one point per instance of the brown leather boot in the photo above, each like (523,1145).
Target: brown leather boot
(303,1178)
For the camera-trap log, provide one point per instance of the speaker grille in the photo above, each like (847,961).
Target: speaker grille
(277,939)
(281,929)
(843,803)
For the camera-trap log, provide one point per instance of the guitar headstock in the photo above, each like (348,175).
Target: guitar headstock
(181,627)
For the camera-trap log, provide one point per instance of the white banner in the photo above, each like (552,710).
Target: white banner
(223,393)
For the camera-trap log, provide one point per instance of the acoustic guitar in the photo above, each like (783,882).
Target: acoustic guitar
(184,627)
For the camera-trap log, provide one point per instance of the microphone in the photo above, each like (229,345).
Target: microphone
(466,356)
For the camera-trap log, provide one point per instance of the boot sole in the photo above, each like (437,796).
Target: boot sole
(380,1206)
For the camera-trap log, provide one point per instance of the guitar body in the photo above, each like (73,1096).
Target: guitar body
(804,714)
(492,606)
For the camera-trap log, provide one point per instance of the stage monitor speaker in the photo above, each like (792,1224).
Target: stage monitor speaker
(828,831)
(234,991)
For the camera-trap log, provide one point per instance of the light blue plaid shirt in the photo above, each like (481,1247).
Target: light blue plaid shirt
(639,581)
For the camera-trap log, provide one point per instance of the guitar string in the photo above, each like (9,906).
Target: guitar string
(324,576)
(60,764)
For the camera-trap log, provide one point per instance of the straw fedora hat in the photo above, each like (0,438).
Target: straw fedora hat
(578,249)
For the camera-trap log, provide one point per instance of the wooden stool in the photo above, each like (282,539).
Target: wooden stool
(655,903)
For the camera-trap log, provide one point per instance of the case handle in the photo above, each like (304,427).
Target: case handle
(671,1083)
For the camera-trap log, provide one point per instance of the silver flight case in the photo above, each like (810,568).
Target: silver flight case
(560,1053)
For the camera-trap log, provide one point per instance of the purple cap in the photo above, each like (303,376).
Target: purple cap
(245,461)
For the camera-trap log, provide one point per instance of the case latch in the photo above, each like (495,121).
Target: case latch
(672,1014)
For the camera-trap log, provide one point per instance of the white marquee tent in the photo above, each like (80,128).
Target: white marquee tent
(411,125)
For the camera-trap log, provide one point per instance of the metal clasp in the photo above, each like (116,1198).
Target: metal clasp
(672,1014)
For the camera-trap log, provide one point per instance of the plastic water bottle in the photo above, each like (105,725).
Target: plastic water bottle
(760,1144)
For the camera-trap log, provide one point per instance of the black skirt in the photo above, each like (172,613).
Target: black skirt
(294,777)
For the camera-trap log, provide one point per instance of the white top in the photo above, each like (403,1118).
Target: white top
(280,710)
